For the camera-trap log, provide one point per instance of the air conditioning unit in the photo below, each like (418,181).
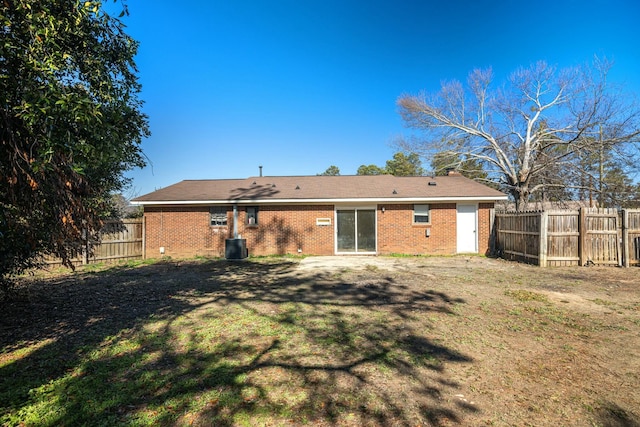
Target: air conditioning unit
(236,249)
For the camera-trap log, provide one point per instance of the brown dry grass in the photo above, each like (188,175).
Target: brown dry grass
(422,341)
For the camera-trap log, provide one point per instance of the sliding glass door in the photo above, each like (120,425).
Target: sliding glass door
(356,230)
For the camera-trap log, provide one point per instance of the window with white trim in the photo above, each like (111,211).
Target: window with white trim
(421,214)
(218,216)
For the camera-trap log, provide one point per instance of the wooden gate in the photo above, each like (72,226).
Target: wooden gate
(631,236)
(600,242)
(561,243)
(518,236)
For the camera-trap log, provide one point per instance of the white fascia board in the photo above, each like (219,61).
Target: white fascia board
(319,201)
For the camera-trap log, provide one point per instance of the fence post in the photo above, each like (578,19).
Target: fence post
(582,238)
(625,238)
(85,246)
(492,231)
(144,236)
(497,238)
(542,251)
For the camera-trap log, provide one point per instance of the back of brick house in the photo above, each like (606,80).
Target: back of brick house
(320,215)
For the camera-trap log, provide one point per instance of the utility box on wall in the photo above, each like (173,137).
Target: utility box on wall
(236,249)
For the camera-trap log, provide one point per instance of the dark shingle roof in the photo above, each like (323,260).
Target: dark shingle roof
(319,188)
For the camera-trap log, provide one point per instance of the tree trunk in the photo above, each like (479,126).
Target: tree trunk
(520,197)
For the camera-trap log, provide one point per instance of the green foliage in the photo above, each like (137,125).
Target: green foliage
(401,165)
(71,124)
(371,170)
(405,165)
(618,189)
(606,178)
(331,171)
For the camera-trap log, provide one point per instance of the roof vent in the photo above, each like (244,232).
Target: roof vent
(253,183)
(297,187)
(273,185)
(433,183)
(394,191)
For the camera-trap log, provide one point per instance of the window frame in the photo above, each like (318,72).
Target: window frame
(222,211)
(421,213)
(255,216)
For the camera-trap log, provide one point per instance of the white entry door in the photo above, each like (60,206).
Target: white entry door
(466,229)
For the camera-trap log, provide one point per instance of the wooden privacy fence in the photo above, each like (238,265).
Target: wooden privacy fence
(118,241)
(570,237)
(631,236)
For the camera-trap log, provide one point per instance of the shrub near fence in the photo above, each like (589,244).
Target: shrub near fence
(570,237)
(119,241)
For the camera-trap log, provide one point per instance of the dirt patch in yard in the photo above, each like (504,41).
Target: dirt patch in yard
(324,341)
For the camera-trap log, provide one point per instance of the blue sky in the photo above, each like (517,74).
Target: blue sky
(297,86)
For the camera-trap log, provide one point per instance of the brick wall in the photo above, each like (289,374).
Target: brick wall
(398,234)
(186,231)
(484,228)
(183,232)
(285,229)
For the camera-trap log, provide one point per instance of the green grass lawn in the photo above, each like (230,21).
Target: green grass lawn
(209,343)
(255,343)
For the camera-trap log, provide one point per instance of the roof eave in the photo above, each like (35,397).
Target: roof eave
(320,201)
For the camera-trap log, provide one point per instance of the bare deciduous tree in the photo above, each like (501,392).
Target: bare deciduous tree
(542,120)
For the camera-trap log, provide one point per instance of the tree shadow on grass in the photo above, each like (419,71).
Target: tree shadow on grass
(223,343)
(609,414)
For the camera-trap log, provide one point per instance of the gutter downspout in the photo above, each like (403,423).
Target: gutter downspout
(235,221)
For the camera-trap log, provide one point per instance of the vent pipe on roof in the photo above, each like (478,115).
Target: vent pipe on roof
(260,170)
